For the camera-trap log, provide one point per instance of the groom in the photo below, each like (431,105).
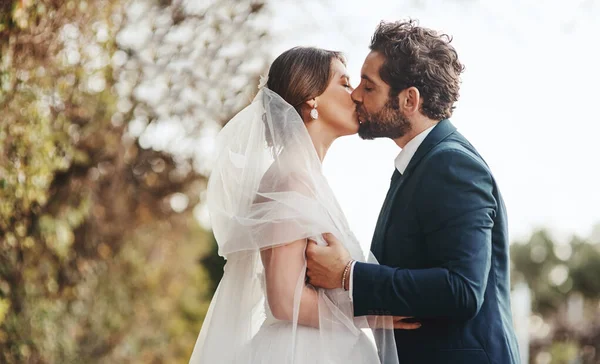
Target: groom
(441,237)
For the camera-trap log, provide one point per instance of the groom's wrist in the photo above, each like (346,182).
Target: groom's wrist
(350,279)
(346,275)
(347,283)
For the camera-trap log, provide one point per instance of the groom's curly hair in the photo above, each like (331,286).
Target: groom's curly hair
(422,58)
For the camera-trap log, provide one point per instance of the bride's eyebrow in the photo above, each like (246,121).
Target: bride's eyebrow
(346,77)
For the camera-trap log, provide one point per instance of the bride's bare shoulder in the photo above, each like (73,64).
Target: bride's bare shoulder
(277,179)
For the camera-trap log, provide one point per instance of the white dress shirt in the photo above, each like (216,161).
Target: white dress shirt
(401,162)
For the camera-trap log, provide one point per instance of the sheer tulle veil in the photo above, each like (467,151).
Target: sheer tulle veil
(266,190)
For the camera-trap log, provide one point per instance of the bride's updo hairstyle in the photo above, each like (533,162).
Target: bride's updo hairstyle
(302,73)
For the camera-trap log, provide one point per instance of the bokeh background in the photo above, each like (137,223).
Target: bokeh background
(108,114)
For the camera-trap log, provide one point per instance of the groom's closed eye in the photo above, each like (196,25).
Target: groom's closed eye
(366,86)
(369,84)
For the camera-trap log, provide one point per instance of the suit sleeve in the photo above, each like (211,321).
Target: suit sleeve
(456,209)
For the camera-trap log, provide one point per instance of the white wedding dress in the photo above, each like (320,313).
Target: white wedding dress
(267,190)
(272,345)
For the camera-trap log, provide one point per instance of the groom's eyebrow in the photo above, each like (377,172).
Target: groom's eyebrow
(365,77)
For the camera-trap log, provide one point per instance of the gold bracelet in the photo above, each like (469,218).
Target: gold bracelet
(346,270)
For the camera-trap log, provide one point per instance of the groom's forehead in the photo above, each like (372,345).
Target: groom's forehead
(371,66)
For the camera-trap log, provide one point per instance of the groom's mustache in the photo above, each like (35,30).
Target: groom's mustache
(363,116)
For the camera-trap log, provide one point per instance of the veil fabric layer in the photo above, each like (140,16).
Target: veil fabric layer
(266,196)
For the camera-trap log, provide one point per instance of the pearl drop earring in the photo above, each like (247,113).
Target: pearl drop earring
(314,114)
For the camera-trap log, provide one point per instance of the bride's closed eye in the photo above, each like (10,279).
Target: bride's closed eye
(347,84)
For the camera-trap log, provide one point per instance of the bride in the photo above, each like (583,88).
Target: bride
(267,197)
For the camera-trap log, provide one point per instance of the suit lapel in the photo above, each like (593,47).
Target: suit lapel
(440,132)
(378,236)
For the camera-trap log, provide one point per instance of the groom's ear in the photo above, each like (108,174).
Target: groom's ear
(410,100)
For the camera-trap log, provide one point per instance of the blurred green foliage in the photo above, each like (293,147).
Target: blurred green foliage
(565,286)
(100,253)
(554,271)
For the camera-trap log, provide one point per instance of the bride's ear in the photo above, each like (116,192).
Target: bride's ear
(307,108)
(312,103)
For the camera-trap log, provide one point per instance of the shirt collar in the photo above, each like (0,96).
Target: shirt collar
(409,150)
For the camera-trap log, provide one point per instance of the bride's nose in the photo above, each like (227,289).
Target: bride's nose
(356,96)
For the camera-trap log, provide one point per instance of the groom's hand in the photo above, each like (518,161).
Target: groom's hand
(325,264)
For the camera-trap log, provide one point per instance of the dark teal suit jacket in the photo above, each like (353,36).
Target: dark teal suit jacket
(442,242)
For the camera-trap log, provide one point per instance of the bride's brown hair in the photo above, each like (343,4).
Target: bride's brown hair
(302,73)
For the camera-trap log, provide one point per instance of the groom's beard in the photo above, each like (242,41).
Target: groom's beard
(388,122)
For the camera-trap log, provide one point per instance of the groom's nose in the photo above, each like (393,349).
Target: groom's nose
(356,96)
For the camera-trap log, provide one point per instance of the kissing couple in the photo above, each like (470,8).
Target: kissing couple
(297,288)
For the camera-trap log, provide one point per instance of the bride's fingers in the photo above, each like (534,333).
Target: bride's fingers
(401,325)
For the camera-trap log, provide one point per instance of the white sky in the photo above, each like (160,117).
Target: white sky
(527,103)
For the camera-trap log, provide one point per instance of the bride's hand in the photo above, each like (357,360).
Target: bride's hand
(400,324)
(397,322)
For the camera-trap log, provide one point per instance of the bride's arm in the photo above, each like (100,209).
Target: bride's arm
(284,266)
